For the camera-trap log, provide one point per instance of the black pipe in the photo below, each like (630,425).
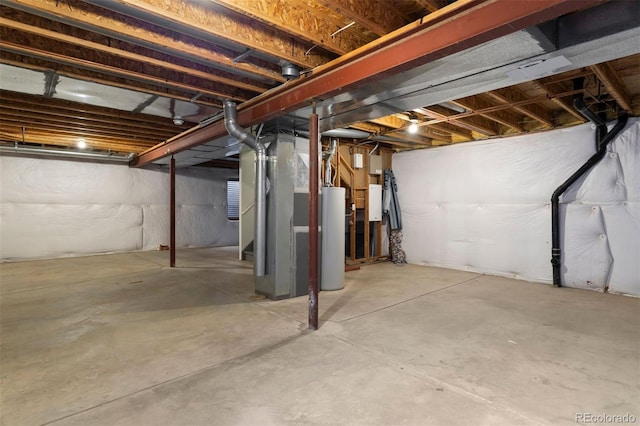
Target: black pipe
(602,140)
(579,105)
(601,132)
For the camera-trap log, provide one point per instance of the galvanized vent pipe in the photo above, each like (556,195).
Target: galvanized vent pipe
(327,162)
(260,240)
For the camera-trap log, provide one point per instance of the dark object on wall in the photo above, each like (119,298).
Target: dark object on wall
(391,209)
(390,204)
(602,140)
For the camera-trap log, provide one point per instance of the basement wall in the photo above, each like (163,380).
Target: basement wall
(485,207)
(53,208)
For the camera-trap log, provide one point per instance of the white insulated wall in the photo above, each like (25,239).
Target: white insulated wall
(53,208)
(485,207)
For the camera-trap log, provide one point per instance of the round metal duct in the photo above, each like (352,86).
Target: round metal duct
(290,71)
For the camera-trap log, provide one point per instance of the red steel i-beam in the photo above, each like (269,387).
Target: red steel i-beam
(452,29)
(172,214)
(313,220)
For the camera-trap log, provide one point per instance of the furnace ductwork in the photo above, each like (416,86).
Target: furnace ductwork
(231,124)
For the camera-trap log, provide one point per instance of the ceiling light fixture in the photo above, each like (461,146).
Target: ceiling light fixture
(178,121)
(413,127)
(82,144)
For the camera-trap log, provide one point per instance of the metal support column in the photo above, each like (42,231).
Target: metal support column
(172,214)
(313,219)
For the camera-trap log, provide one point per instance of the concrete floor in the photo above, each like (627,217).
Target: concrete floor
(123,340)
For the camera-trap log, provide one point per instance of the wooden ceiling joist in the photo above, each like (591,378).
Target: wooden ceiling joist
(441,131)
(400,139)
(111,70)
(43,124)
(534,111)
(614,85)
(378,20)
(565,76)
(289,17)
(200,51)
(560,101)
(382,131)
(407,48)
(66,139)
(120,53)
(209,22)
(74,110)
(475,103)
(38,64)
(473,123)
(430,5)
(92,120)
(470,114)
(128,29)
(65,122)
(398,145)
(449,129)
(337,21)
(399,126)
(26,118)
(365,126)
(396,8)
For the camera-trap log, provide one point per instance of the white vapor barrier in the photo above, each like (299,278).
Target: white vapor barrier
(54,208)
(485,207)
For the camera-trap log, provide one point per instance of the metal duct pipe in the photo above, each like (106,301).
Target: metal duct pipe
(231,124)
(602,140)
(327,161)
(260,240)
(65,153)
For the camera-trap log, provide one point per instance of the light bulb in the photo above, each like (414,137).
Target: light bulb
(413,128)
(82,144)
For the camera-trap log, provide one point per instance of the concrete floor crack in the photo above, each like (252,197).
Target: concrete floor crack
(412,298)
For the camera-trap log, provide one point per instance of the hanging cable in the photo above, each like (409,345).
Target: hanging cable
(342,29)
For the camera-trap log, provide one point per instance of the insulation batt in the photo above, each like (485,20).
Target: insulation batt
(53,208)
(484,207)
